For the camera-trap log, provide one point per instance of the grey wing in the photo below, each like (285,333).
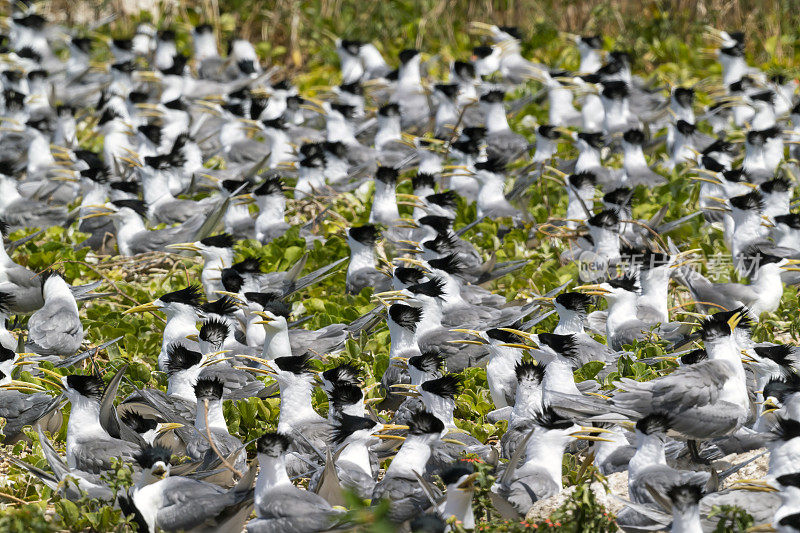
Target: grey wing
(527,490)
(591,350)
(95,455)
(355,479)
(648,314)
(646,177)
(20,410)
(760,505)
(659,477)
(291,501)
(367,278)
(157,240)
(55,329)
(407,497)
(188,503)
(629,332)
(617,461)
(688,387)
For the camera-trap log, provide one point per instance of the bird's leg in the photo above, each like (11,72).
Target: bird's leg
(694,453)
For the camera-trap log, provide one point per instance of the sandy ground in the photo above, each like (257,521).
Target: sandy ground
(618,485)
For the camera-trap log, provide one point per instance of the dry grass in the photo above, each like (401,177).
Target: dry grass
(301,29)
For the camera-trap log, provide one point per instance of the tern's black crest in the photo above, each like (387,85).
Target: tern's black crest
(137,206)
(744,324)
(222,306)
(387,175)
(447,386)
(406,316)
(790,520)
(693,357)
(47,274)
(565,345)
(594,42)
(423,180)
(504,336)
(440,224)
(684,96)
(191,295)
(720,146)
(529,371)
(348,424)
(548,132)
(428,362)
(685,496)
(138,423)
(653,423)
(344,394)
(443,243)
(352,88)
(607,219)
(446,199)
(346,373)
(595,140)
(627,283)
(785,429)
(389,110)
(180,358)
(475,133)
(792,220)
(764,96)
(493,96)
(233,186)
(449,263)
(549,419)
(711,164)
(685,128)
(407,55)
(777,185)
(251,265)
(270,303)
(150,455)
(408,275)
(347,111)
(780,354)
(126,186)
(620,196)
(464,69)
(455,472)
(615,90)
(789,480)
(574,301)
(434,288)
(296,364)
(715,328)
(482,52)
(273,444)
(232,281)
(424,423)
(223,240)
(208,389)
(783,387)
(449,90)
(634,136)
(6,354)
(152,132)
(367,234)
(492,164)
(651,260)
(214,331)
(270,186)
(89,386)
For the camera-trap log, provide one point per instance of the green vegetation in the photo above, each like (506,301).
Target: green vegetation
(666,38)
